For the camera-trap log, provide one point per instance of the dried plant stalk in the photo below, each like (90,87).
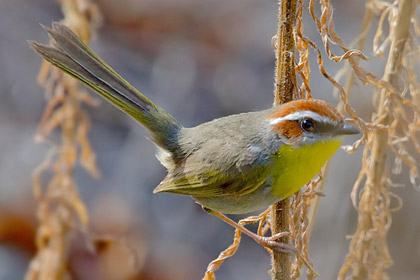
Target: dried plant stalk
(60,209)
(284,88)
(285,75)
(368,257)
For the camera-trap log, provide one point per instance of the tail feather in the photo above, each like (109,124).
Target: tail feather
(66,41)
(74,57)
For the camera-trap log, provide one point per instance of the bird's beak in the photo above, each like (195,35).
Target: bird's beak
(346,128)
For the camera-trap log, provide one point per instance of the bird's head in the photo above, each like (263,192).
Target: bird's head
(309,121)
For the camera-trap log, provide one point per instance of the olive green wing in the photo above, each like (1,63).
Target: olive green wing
(211,183)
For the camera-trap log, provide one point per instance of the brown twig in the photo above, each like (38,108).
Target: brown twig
(284,88)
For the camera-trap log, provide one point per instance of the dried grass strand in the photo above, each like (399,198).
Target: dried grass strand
(231,250)
(60,209)
(368,256)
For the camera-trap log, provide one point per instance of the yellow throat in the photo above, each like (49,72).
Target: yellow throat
(294,167)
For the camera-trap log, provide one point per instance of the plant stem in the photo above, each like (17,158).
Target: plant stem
(362,257)
(280,262)
(285,75)
(284,88)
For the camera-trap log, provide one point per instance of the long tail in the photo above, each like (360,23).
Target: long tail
(74,57)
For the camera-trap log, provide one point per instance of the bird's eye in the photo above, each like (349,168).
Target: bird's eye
(307,124)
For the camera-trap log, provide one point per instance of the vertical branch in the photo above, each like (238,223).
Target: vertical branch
(285,75)
(368,255)
(285,86)
(281,263)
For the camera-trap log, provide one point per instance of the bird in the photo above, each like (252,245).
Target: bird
(231,165)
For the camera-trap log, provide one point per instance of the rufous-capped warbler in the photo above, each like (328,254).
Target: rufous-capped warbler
(235,164)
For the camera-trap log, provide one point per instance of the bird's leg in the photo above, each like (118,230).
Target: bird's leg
(269,242)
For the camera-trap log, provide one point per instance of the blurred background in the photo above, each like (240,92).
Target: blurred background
(199,60)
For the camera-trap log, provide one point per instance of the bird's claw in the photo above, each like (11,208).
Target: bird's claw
(279,235)
(272,243)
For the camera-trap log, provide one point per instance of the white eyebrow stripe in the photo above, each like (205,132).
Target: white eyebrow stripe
(302,114)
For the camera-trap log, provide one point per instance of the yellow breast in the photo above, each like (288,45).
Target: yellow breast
(294,167)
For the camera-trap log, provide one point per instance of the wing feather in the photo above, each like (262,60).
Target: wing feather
(211,182)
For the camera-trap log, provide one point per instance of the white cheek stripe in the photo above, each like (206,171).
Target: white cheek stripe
(302,114)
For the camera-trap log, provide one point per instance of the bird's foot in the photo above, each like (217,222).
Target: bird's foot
(272,243)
